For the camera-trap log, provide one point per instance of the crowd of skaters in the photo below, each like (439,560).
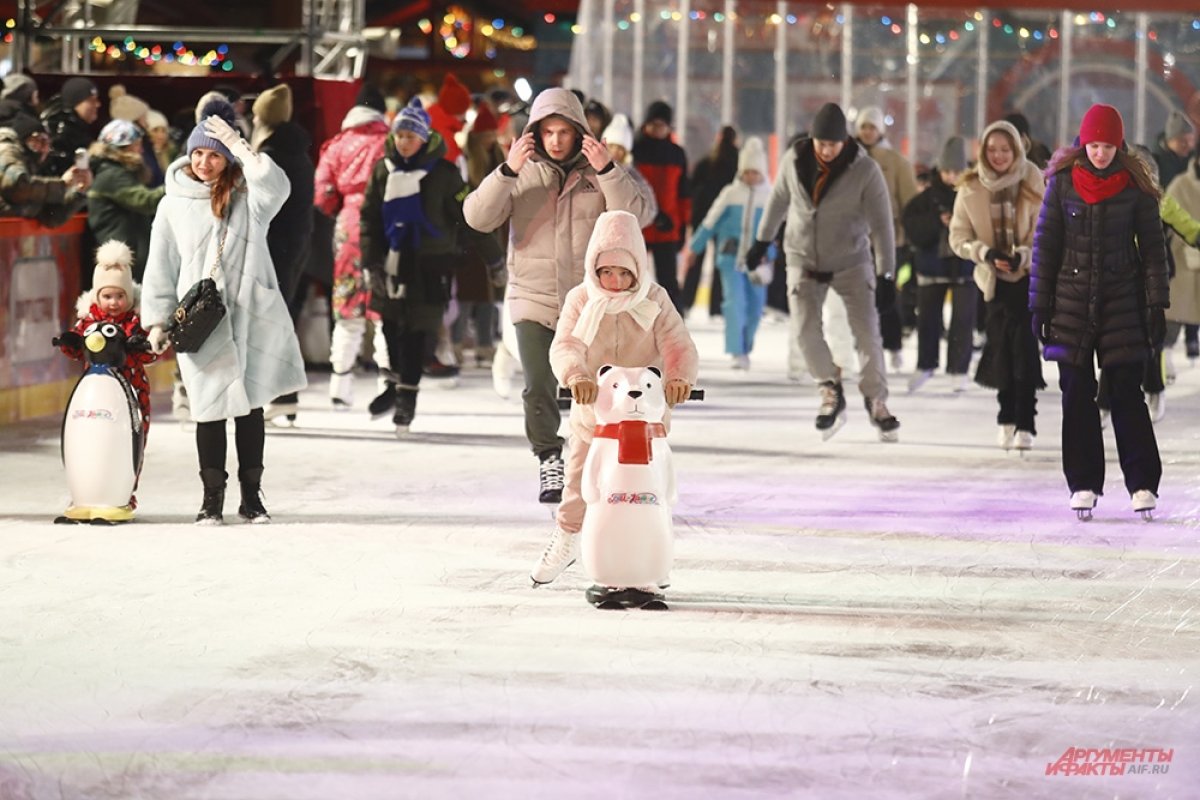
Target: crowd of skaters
(453,200)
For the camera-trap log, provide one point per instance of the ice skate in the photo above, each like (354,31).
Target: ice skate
(562,552)
(406,408)
(281,411)
(180,406)
(341,390)
(1157,403)
(1023,441)
(895,361)
(831,416)
(550,477)
(1006,436)
(1082,503)
(741,362)
(883,420)
(1169,366)
(961,383)
(504,369)
(1144,502)
(385,401)
(1104,417)
(919,379)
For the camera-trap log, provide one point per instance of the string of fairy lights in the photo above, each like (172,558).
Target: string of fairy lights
(456,27)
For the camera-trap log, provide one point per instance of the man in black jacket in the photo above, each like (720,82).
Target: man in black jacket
(68,118)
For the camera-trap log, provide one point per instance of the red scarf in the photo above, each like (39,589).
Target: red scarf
(1094,188)
(633,439)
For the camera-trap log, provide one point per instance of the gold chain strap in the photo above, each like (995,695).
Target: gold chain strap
(220,250)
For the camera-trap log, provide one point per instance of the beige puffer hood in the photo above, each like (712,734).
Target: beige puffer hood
(557,102)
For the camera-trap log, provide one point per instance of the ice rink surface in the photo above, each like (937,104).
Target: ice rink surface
(849,619)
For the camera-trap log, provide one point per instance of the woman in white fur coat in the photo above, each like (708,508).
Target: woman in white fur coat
(617,316)
(219,203)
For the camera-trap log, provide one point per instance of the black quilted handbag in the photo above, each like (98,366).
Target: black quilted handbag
(199,312)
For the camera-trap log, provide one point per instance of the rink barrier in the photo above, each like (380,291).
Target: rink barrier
(39,284)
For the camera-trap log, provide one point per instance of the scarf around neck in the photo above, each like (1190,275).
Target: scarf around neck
(601,301)
(1096,188)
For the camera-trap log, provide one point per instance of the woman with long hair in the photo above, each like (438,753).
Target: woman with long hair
(995,212)
(213,222)
(1099,292)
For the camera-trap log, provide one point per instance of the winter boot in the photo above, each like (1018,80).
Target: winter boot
(831,416)
(561,553)
(383,404)
(212,508)
(252,509)
(550,477)
(406,407)
(882,419)
(341,390)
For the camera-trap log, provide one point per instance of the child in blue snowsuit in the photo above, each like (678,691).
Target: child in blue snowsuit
(732,221)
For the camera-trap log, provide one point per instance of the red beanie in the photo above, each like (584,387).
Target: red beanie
(1102,123)
(453,97)
(485,120)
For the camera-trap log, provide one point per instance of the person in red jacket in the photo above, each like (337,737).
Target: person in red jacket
(447,116)
(664,165)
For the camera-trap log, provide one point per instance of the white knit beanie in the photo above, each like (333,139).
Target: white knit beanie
(619,131)
(114,268)
(753,156)
(873,115)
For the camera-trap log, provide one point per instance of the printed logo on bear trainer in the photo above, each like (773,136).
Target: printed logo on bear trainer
(633,498)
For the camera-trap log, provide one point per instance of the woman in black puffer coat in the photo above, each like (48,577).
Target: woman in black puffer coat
(1098,292)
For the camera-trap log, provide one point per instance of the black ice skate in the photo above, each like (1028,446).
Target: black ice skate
(385,401)
(883,420)
(831,416)
(252,509)
(406,408)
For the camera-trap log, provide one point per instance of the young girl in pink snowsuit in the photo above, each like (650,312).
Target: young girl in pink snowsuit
(617,316)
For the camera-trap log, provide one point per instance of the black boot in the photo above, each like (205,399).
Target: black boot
(406,406)
(252,509)
(383,404)
(214,497)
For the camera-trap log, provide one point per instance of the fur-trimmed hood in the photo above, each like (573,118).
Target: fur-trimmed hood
(85,301)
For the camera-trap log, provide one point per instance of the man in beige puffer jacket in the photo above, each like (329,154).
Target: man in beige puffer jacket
(558,179)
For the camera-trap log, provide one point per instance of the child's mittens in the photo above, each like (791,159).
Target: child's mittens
(677,390)
(583,390)
(138,343)
(158,339)
(69,340)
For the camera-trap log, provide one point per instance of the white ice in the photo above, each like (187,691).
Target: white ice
(849,619)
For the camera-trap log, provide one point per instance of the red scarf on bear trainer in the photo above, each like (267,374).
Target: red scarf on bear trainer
(1093,188)
(633,439)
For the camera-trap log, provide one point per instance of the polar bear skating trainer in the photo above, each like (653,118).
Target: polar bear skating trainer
(629,483)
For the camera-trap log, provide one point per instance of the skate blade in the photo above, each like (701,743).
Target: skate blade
(65,520)
(889,436)
(209,522)
(1083,514)
(837,425)
(401,431)
(263,520)
(1147,514)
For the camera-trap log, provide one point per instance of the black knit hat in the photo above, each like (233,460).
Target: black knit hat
(658,110)
(829,124)
(76,90)
(371,97)
(25,125)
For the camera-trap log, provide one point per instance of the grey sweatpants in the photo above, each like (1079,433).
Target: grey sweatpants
(541,387)
(856,287)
